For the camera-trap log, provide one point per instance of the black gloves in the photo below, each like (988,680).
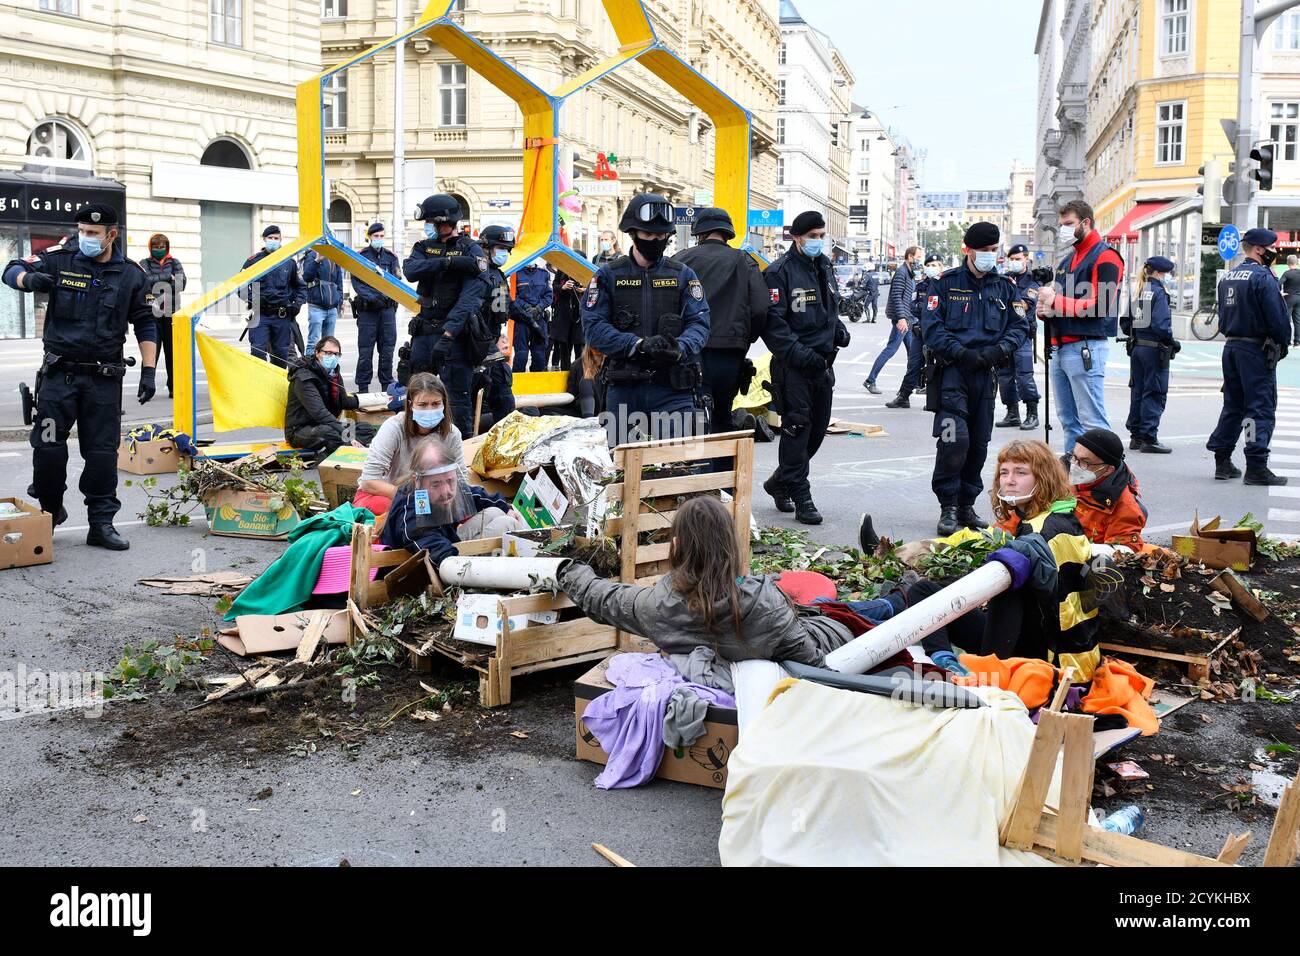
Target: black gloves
(842,337)
(467,265)
(992,355)
(37,281)
(969,360)
(662,351)
(146,389)
(811,363)
(441,349)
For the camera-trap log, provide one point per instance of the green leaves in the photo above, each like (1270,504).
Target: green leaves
(173,664)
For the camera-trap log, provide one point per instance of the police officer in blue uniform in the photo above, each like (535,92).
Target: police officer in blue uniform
(1253,319)
(931,271)
(376,313)
(498,378)
(804,333)
(1016,380)
(278,299)
(94,293)
(533,296)
(447,269)
(648,315)
(1151,346)
(975,320)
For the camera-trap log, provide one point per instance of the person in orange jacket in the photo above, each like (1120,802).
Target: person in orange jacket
(1109,504)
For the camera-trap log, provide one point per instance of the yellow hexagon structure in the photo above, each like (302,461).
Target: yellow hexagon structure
(539,227)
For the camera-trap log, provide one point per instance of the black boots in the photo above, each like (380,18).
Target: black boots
(870,386)
(805,512)
(1261,476)
(779,497)
(967,517)
(901,400)
(868,540)
(106,536)
(1031,417)
(948,523)
(1224,469)
(1154,448)
(1012,418)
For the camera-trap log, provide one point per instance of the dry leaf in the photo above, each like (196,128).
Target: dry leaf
(140,819)
(1167,588)
(356,792)
(1256,767)
(1148,580)
(519,733)
(420,714)
(1209,720)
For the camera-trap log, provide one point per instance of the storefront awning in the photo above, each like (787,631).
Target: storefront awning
(1124,231)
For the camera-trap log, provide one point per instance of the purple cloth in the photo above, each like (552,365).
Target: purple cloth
(1015,562)
(629,720)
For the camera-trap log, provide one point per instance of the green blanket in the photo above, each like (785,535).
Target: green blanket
(287,583)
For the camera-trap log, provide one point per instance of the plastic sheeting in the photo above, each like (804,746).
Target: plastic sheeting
(826,777)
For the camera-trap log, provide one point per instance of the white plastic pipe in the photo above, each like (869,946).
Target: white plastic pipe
(881,643)
(754,682)
(501,574)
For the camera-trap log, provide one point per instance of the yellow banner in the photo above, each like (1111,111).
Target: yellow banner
(757,397)
(246,392)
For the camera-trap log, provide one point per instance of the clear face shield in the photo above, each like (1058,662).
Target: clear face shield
(437,497)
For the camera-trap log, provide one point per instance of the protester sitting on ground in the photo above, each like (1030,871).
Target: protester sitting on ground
(707,600)
(424,413)
(435,507)
(1109,505)
(1051,610)
(316,399)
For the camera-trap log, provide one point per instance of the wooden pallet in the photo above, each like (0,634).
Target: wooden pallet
(1198,665)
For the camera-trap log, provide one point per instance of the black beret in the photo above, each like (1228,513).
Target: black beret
(806,222)
(1259,237)
(1018,248)
(374,227)
(97,214)
(933,257)
(981,234)
(270,231)
(1106,445)
(1161,264)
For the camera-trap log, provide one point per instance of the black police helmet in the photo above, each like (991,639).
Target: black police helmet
(438,208)
(502,236)
(648,212)
(713,220)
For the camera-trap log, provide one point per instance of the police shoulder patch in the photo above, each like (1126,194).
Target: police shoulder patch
(1020,306)
(697,290)
(776,296)
(32,259)
(932,303)
(482,265)
(593,293)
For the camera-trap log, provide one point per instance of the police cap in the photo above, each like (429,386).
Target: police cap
(1161,264)
(648,212)
(713,220)
(933,257)
(97,214)
(270,231)
(806,222)
(981,235)
(1017,249)
(1259,237)
(375,227)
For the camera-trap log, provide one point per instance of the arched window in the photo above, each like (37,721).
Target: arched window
(464,206)
(227,153)
(340,219)
(58,143)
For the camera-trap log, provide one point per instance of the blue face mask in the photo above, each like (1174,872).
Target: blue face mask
(986,261)
(377,243)
(272,245)
(329,362)
(427,418)
(431,230)
(500,257)
(90,246)
(812,248)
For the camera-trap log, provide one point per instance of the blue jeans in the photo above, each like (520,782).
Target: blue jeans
(319,322)
(1080,392)
(896,338)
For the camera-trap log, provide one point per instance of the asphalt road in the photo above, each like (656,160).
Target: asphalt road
(70,793)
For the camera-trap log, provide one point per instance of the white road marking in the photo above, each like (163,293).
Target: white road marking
(1282,514)
(1284,492)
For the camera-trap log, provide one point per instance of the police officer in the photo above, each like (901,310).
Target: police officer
(279,297)
(804,332)
(1016,380)
(497,241)
(94,293)
(974,321)
(932,269)
(447,268)
(648,315)
(533,296)
(871,285)
(1253,319)
(1151,346)
(738,300)
(376,313)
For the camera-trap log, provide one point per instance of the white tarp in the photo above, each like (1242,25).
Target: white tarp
(827,777)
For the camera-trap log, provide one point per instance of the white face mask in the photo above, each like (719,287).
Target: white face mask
(933,272)
(1081,476)
(1014,267)
(1016,499)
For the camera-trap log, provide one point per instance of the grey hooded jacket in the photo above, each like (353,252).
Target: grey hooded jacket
(770,626)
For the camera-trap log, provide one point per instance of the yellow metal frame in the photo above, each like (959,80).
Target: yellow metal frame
(539,229)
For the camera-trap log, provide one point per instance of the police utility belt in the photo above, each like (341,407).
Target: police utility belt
(69,366)
(680,376)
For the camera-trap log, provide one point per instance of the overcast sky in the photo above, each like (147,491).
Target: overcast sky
(920,66)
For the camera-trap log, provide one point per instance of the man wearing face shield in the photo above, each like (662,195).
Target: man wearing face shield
(1253,319)
(974,321)
(648,315)
(94,294)
(1016,380)
(434,507)
(804,332)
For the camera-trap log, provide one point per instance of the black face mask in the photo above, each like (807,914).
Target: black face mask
(1268,256)
(651,250)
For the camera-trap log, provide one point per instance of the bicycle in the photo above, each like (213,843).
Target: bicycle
(1205,322)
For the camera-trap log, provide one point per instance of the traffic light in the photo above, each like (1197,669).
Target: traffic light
(1211,190)
(1230,185)
(1263,154)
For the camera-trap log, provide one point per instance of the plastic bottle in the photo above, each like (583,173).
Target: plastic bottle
(1126,821)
